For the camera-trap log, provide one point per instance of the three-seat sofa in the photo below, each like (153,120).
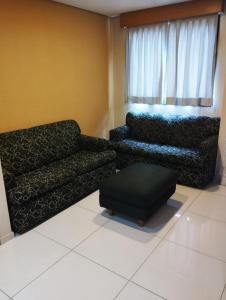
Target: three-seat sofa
(186,144)
(50,167)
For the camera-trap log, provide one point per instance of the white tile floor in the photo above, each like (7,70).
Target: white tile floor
(224,295)
(3,296)
(84,254)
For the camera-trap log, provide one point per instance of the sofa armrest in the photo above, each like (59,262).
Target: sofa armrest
(9,179)
(119,133)
(93,143)
(209,146)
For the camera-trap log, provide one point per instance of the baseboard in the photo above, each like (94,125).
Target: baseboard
(223,177)
(6,238)
(223,181)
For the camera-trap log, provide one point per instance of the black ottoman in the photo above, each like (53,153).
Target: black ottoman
(138,190)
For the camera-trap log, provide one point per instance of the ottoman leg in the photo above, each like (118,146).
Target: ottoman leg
(111,212)
(141,223)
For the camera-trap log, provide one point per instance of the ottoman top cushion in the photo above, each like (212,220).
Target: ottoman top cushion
(139,184)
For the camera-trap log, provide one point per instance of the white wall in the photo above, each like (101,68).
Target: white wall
(222,97)
(5,228)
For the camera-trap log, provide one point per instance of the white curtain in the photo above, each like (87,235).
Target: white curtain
(173,63)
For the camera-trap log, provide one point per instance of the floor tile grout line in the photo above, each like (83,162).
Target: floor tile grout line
(73,250)
(207,217)
(177,221)
(214,193)
(192,201)
(88,209)
(42,273)
(53,240)
(61,244)
(224,290)
(129,280)
(190,248)
(3,292)
(194,250)
(84,208)
(86,238)
(161,297)
(182,214)
(76,251)
(100,265)
(91,210)
(167,231)
(131,277)
(103,266)
(162,239)
(206,190)
(122,289)
(98,213)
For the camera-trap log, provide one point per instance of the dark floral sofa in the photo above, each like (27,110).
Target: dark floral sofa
(50,167)
(186,144)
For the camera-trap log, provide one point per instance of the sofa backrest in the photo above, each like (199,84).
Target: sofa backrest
(25,150)
(181,131)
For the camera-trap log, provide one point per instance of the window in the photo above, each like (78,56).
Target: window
(173,63)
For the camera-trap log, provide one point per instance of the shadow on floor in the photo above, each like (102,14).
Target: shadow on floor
(156,223)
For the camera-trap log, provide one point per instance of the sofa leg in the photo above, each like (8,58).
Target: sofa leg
(111,212)
(141,223)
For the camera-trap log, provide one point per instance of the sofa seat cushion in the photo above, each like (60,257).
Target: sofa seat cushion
(38,182)
(59,173)
(86,161)
(162,153)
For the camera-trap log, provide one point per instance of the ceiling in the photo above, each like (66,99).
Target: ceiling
(115,7)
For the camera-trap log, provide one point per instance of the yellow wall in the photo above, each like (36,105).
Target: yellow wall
(53,65)
(117,72)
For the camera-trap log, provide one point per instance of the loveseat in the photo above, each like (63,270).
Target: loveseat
(186,144)
(50,167)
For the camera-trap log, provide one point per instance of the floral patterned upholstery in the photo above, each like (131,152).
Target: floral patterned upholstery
(48,168)
(120,133)
(186,144)
(164,153)
(9,179)
(33,213)
(176,131)
(47,178)
(92,143)
(28,149)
